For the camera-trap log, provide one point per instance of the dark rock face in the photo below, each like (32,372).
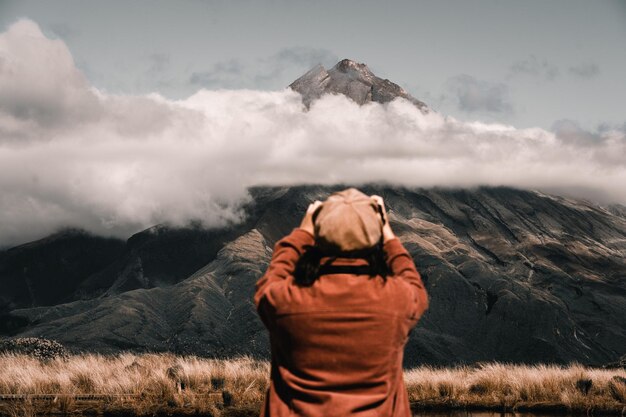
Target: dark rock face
(157,257)
(74,265)
(513,275)
(49,270)
(353,80)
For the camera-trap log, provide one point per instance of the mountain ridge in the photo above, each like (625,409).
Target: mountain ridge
(550,300)
(352,79)
(513,275)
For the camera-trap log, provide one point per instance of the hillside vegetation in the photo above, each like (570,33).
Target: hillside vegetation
(148,384)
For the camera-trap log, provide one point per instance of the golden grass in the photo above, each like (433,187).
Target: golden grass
(574,388)
(148,384)
(142,384)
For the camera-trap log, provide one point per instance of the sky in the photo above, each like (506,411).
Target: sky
(118,116)
(527,63)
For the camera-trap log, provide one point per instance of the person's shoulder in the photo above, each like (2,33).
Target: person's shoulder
(395,241)
(299,236)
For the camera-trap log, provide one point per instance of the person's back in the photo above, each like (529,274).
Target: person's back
(338,343)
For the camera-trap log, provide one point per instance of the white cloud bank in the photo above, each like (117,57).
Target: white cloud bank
(71,155)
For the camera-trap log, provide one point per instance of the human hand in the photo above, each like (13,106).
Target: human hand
(307,220)
(387,232)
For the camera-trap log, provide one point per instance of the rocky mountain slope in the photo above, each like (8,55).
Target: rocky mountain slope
(352,79)
(513,275)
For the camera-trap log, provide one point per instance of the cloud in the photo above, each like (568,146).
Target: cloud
(266,72)
(585,70)
(71,155)
(474,95)
(607,127)
(63,30)
(39,83)
(295,59)
(226,74)
(158,62)
(533,66)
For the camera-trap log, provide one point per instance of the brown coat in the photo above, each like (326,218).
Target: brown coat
(337,346)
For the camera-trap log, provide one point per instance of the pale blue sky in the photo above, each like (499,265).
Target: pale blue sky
(527,63)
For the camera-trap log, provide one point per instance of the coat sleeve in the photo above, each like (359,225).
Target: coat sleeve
(286,253)
(402,266)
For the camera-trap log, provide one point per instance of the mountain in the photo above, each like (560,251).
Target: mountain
(73,264)
(352,79)
(45,271)
(513,275)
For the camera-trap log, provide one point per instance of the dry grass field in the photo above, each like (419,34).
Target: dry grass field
(496,386)
(153,384)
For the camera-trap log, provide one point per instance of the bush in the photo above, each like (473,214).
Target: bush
(42,349)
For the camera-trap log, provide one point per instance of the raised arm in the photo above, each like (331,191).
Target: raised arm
(286,253)
(402,266)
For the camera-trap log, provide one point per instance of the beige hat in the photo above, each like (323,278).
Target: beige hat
(348,220)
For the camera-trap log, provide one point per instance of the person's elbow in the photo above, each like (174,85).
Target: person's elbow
(424,301)
(421,302)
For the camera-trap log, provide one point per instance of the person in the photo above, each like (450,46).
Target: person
(338,318)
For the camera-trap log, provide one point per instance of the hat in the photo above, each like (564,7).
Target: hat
(348,220)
